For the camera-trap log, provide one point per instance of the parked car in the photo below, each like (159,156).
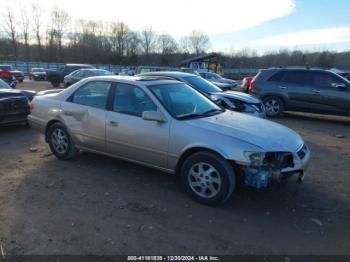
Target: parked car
(80,74)
(167,125)
(28,93)
(246,83)
(305,90)
(8,78)
(223,83)
(37,74)
(231,100)
(56,77)
(18,75)
(14,105)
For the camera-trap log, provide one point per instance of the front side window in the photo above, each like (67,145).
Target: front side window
(94,94)
(183,102)
(325,80)
(132,100)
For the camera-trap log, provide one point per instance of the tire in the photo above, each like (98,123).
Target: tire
(274,106)
(60,142)
(209,189)
(55,83)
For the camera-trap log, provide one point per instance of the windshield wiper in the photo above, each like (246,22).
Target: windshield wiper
(208,113)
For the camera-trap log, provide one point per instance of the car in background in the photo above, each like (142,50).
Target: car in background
(223,83)
(8,78)
(56,76)
(14,105)
(80,74)
(231,100)
(167,125)
(37,74)
(246,83)
(18,75)
(305,90)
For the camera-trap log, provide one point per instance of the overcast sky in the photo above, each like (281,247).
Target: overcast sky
(231,24)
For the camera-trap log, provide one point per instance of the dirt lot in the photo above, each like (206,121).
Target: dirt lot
(100,205)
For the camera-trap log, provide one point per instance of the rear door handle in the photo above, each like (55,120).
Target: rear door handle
(315,91)
(113,123)
(282,87)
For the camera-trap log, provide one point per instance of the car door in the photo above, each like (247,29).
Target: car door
(330,93)
(296,86)
(84,114)
(131,137)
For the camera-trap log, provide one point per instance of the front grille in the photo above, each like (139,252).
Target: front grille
(302,152)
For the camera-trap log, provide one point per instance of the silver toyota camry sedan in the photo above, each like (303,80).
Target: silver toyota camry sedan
(166,124)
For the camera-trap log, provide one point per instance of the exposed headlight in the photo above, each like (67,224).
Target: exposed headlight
(214,97)
(256,159)
(249,109)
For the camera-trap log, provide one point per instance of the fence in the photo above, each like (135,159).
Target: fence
(25,67)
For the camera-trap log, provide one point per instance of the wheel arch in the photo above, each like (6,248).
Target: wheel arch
(190,151)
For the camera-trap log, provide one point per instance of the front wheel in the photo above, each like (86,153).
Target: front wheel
(274,106)
(60,142)
(208,178)
(55,83)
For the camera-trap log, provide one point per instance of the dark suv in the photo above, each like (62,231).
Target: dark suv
(305,90)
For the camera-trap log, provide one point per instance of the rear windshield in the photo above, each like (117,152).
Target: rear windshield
(202,85)
(103,73)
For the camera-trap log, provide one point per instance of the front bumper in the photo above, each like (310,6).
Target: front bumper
(260,177)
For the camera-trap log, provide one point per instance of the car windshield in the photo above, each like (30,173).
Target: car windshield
(202,85)
(4,85)
(5,68)
(103,73)
(38,70)
(183,102)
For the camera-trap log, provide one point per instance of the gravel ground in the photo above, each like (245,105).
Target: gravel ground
(100,205)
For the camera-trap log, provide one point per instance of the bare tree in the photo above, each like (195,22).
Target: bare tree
(25,26)
(148,40)
(37,27)
(119,37)
(167,44)
(60,20)
(185,45)
(133,45)
(199,42)
(11,29)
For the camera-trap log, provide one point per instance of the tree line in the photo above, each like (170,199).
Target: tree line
(30,37)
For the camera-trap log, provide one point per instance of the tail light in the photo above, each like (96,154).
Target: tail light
(252,86)
(31,106)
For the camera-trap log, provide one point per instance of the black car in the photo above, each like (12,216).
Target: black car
(80,74)
(305,90)
(56,76)
(231,100)
(37,74)
(14,105)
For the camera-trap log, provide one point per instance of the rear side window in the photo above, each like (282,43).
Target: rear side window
(94,94)
(297,77)
(277,77)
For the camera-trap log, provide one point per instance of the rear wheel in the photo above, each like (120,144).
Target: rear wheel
(55,83)
(208,178)
(274,106)
(61,144)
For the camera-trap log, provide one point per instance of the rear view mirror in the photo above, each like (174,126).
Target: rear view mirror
(153,116)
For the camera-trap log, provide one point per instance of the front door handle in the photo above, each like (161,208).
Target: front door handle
(113,123)
(316,91)
(282,87)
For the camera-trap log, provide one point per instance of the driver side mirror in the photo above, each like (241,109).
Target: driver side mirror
(154,116)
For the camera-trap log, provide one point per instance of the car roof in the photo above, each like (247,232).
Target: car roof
(168,74)
(139,80)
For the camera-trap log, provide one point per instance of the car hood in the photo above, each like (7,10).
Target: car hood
(267,135)
(9,92)
(239,96)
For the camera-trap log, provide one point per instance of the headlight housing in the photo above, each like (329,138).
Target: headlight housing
(256,159)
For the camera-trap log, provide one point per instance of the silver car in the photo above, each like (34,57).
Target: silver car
(166,124)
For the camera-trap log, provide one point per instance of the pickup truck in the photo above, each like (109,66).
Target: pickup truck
(56,76)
